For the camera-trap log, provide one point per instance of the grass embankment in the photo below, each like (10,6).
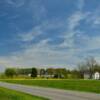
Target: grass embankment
(6,94)
(79,85)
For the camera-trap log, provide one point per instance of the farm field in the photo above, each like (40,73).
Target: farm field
(6,94)
(77,85)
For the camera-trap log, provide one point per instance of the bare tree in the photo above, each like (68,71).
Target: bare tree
(90,64)
(87,66)
(82,69)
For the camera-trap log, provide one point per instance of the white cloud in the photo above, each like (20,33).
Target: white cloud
(89,46)
(93,43)
(74,20)
(43,54)
(37,55)
(73,23)
(29,36)
(42,29)
(94,18)
(97,21)
(16,3)
(80,4)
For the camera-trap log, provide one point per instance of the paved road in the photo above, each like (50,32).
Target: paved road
(52,94)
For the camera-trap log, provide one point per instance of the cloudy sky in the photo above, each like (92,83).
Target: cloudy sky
(57,33)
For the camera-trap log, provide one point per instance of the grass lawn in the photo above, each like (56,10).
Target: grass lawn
(6,94)
(79,85)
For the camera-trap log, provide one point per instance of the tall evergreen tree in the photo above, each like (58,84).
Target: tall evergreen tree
(34,72)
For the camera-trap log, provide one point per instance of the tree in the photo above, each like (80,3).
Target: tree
(90,63)
(24,71)
(82,69)
(97,68)
(50,71)
(42,72)
(76,74)
(10,72)
(88,66)
(61,72)
(34,72)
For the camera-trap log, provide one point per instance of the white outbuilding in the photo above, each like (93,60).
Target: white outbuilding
(96,75)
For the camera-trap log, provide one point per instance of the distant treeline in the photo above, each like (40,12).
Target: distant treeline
(88,66)
(34,72)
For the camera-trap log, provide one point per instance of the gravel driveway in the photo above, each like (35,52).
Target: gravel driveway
(50,93)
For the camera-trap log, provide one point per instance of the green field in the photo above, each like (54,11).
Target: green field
(79,85)
(6,94)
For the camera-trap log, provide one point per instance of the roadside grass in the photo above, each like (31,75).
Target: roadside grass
(78,85)
(6,94)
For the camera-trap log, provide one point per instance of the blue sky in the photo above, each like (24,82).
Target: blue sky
(49,33)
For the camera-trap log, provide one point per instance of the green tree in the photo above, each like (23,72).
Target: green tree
(24,71)
(61,72)
(10,72)
(34,72)
(42,72)
(75,74)
(50,71)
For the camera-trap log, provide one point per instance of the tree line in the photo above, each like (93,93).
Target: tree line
(88,66)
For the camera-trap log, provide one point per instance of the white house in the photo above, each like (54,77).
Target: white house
(96,75)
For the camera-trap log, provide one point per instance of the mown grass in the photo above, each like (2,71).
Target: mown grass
(79,85)
(6,94)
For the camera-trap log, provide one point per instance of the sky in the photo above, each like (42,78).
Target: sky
(48,33)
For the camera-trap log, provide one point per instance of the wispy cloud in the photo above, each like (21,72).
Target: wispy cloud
(29,36)
(73,23)
(43,29)
(80,4)
(18,3)
(37,55)
(50,38)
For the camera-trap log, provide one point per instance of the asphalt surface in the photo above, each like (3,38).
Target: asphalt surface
(50,93)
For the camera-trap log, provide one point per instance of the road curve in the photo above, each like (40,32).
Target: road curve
(52,94)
